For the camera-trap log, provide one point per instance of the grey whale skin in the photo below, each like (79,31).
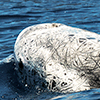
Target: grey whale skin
(58,58)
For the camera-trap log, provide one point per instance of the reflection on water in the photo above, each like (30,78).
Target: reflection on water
(15,15)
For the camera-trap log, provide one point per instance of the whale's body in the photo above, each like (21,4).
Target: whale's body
(57,57)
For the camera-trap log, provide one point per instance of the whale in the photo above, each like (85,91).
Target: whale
(58,58)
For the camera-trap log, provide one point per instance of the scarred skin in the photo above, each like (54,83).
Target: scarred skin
(58,58)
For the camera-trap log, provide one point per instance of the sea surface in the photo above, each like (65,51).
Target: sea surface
(15,15)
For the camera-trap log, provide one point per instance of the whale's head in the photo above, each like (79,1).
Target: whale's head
(57,57)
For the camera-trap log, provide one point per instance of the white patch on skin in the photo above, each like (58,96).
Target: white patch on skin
(72,77)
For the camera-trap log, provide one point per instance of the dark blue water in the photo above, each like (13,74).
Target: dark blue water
(16,15)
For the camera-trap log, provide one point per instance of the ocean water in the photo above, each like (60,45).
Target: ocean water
(15,15)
